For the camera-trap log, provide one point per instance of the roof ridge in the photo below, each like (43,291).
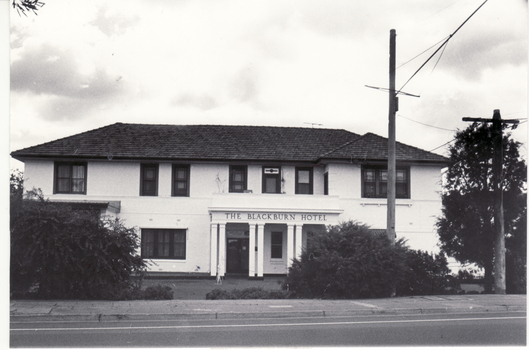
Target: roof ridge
(232,125)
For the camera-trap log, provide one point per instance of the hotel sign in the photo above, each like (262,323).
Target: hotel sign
(277,217)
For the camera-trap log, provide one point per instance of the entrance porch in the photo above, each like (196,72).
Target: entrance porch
(257,249)
(264,237)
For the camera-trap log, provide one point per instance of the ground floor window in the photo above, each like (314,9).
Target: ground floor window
(163,243)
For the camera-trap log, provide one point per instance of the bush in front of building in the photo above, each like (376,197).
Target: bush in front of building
(425,274)
(347,261)
(247,293)
(157,292)
(58,252)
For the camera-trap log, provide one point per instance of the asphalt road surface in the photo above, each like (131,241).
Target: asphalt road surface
(491,328)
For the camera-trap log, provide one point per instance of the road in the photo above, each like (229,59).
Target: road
(491,328)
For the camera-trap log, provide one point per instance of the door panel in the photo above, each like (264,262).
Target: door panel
(237,257)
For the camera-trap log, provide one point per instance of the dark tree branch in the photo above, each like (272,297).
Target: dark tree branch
(24,6)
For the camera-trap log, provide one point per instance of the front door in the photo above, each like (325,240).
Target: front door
(238,255)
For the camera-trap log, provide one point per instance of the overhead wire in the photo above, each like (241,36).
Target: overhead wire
(441,10)
(443,47)
(428,49)
(444,144)
(440,47)
(432,126)
(439,59)
(523,120)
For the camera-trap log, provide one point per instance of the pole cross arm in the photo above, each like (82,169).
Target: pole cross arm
(484,120)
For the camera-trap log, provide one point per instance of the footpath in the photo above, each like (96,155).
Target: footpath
(75,310)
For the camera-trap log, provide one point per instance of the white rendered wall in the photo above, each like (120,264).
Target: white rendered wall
(254,178)
(318,173)
(39,174)
(120,181)
(414,217)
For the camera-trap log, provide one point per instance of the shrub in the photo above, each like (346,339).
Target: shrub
(465,275)
(425,274)
(346,261)
(158,292)
(58,252)
(248,293)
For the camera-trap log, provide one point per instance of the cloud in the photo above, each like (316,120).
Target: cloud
(54,71)
(46,69)
(355,19)
(245,87)
(203,102)
(113,23)
(263,62)
(470,57)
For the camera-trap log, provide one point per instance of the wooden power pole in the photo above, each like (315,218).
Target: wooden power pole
(497,172)
(390,231)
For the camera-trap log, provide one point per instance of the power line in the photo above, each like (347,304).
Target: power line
(439,59)
(523,120)
(444,144)
(440,47)
(432,126)
(428,49)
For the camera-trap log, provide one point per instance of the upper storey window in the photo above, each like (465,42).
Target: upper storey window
(375,182)
(149,180)
(70,178)
(238,178)
(181,180)
(304,181)
(271,180)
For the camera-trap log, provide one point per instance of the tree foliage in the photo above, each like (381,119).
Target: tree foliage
(466,227)
(425,274)
(57,252)
(347,261)
(25,6)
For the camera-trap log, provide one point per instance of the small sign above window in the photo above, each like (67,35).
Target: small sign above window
(271,170)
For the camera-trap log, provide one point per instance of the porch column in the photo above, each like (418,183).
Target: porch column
(251,248)
(222,249)
(260,250)
(290,244)
(299,241)
(214,247)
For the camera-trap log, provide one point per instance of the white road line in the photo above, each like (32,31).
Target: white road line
(279,306)
(267,324)
(364,304)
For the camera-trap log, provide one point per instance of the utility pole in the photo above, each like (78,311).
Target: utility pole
(390,230)
(497,172)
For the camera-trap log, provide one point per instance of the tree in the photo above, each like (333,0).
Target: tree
(59,252)
(347,261)
(466,227)
(426,274)
(23,6)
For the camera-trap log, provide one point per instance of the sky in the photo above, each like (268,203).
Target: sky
(80,65)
